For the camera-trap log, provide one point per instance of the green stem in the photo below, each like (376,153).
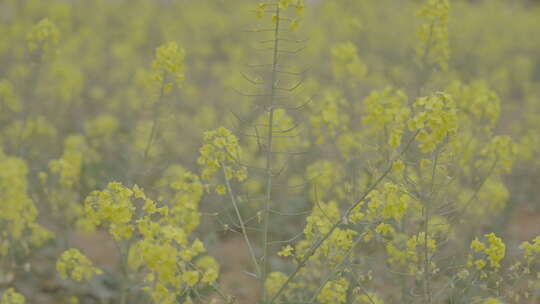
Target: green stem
(26,114)
(266,212)
(154,120)
(124,268)
(241,221)
(427,269)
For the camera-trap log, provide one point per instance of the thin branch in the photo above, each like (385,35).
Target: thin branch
(241,221)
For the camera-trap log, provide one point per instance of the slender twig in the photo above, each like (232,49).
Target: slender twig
(154,120)
(427,270)
(241,221)
(124,292)
(359,284)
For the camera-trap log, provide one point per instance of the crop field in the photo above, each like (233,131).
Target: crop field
(269,152)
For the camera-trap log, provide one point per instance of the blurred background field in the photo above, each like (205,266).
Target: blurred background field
(85,101)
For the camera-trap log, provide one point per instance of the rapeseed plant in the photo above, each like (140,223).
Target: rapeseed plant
(385,174)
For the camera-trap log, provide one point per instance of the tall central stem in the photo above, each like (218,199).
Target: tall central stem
(268,199)
(427,257)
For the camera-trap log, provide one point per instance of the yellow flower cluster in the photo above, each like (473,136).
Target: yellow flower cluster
(321,219)
(165,254)
(478,105)
(298,5)
(209,268)
(62,186)
(493,251)
(526,270)
(183,190)
(531,250)
(70,164)
(8,99)
(346,63)
(408,251)
(274,281)
(331,252)
(433,47)
(113,208)
(168,66)
(283,4)
(499,154)
(221,151)
(43,36)
(436,120)
(261,10)
(18,213)
(383,207)
(329,117)
(388,202)
(492,301)
(286,251)
(10,296)
(387,112)
(73,264)
(334,292)
(159,240)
